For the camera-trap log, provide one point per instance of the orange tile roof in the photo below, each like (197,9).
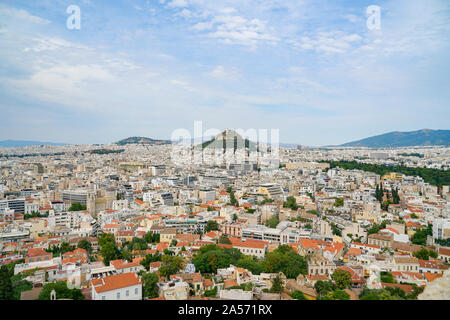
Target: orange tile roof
(115,282)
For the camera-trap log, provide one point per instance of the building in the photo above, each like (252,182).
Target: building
(167,235)
(125,286)
(441,229)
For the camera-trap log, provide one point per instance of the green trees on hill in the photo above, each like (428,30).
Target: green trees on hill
(435,177)
(283,259)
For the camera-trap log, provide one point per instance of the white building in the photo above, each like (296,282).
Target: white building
(125,286)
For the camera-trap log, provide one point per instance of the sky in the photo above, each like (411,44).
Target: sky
(310,68)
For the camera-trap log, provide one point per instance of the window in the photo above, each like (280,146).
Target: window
(118,295)
(128,293)
(103,297)
(136,291)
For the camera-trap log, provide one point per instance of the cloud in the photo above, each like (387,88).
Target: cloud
(219,72)
(22,15)
(231,29)
(327,42)
(177,4)
(52,43)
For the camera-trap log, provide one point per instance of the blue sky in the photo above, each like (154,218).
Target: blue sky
(310,68)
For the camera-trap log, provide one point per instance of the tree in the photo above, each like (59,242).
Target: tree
(149,259)
(224,240)
(277,285)
(273,221)
(62,291)
(342,279)
(6,290)
(149,237)
(233,200)
(339,202)
(298,295)
(109,250)
(149,285)
(173,243)
(170,265)
(211,225)
(324,287)
(66,247)
(210,293)
(340,295)
(425,254)
(85,244)
(77,207)
(387,277)
(284,259)
(250,263)
(211,257)
(235,217)
(290,203)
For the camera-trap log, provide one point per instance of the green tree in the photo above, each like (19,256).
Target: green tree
(211,225)
(149,285)
(277,285)
(6,289)
(149,259)
(284,259)
(290,203)
(387,277)
(298,295)
(62,291)
(324,287)
(342,279)
(425,254)
(339,202)
(340,295)
(66,247)
(108,248)
(273,221)
(170,265)
(77,207)
(85,244)
(224,240)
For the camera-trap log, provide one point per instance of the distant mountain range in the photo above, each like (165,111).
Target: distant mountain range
(142,140)
(25,143)
(424,137)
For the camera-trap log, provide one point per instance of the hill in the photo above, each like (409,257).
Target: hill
(142,140)
(424,137)
(25,143)
(229,138)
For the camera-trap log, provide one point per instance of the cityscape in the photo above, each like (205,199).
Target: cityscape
(199,151)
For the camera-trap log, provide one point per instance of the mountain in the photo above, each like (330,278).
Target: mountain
(424,137)
(229,138)
(142,140)
(24,143)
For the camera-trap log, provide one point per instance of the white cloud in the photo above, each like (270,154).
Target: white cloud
(22,15)
(52,43)
(237,30)
(177,4)
(327,42)
(219,72)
